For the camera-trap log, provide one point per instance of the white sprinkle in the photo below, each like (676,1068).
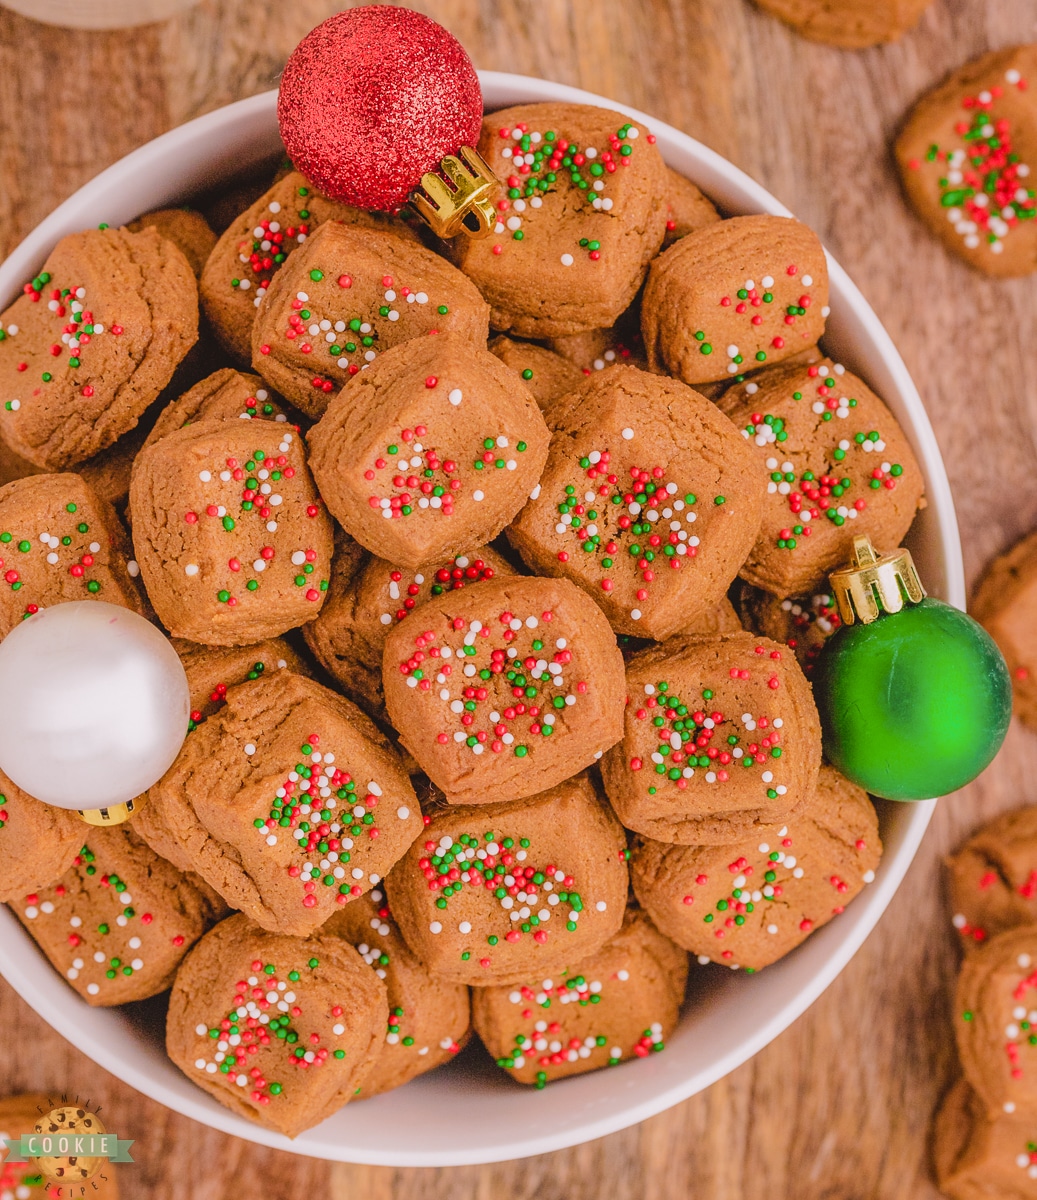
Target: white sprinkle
(435,927)
(567,260)
(191,569)
(628,433)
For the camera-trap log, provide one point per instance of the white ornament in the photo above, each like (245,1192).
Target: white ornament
(94,705)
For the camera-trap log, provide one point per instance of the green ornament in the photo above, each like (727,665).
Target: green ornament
(914,695)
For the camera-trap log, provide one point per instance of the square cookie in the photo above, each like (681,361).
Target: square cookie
(1005,603)
(283,1031)
(748,903)
(618,1005)
(547,375)
(506,688)
(649,501)
(582,217)
(429,1017)
(38,842)
(497,894)
(257,243)
(430,452)
(979,1157)
(233,541)
(118,923)
(348,296)
(687,209)
(59,541)
(837,466)
(720,736)
(965,155)
(348,638)
(288,801)
(92,341)
(734,296)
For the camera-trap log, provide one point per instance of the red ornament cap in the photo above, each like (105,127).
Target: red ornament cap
(372,99)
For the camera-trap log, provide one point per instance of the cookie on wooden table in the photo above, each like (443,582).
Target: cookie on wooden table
(350,295)
(979,1157)
(547,375)
(650,500)
(211,671)
(836,465)
(506,688)
(118,923)
(283,1031)
(687,209)
(621,1002)
(428,1017)
(720,736)
(501,893)
(750,902)
(25,1114)
(186,229)
(288,801)
(92,341)
(803,623)
(733,297)
(1005,603)
(583,215)
(256,244)
(233,542)
(38,842)
(59,541)
(348,638)
(850,24)
(226,395)
(992,879)
(965,155)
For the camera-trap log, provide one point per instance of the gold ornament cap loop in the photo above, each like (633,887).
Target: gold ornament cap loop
(459,196)
(114,814)
(875,583)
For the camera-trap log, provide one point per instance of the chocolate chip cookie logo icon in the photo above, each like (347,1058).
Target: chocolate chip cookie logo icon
(68,1146)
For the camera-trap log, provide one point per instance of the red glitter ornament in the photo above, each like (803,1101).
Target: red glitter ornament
(372,99)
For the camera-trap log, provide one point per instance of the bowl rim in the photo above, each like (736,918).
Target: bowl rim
(247,130)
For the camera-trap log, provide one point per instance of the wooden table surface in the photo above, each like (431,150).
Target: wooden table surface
(838,1106)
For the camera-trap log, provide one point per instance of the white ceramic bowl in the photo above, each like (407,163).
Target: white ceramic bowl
(470,1112)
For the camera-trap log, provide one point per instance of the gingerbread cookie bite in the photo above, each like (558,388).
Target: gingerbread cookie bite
(428,1017)
(348,638)
(687,209)
(59,541)
(618,1004)
(980,1157)
(225,395)
(38,842)
(350,295)
(233,542)
(836,464)
(288,801)
(992,879)
(749,902)
(996,1015)
(92,342)
(649,501)
(850,24)
(255,245)
(803,623)
(499,893)
(430,452)
(117,924)
(186,229)
(733,297)
(1005,603)
(505,688)
(547,375)
(582,217)
(965,154)
(281,1030)
(720,736)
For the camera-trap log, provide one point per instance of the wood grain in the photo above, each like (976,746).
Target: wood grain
(839,1106)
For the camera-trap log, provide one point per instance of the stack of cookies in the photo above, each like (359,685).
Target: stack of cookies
(498,649)
(984,1141)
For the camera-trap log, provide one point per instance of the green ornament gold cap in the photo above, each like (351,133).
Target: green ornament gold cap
(875,583)
(114,814)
